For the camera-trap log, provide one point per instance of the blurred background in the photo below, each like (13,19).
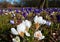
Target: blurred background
(29,3)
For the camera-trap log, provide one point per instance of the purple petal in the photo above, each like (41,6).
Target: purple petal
(59,10)
(12,21)
(55,9)
(1,11)
(10,9)
(17,11)
(24,14)
(48,23)
(58,18)
(36,11)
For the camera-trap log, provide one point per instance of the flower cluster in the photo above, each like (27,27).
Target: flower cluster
(24,26)
(30,23)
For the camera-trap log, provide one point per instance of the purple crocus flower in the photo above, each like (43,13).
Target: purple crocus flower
(55,9)
(1,11)
(17,11)
(50,11)
(59,10)
(29,9)
(41,9)
(12,21)
(24,14)
(47,9)
(48,23)
(28,12)
(58,18)
(36,11)
(10,10)
(22,9)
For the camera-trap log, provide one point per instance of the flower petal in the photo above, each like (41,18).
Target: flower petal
(36,19)
(12,21)
(48,23)
(28,23)
(16,39)
(27,34)
(13,31)
(42,37)
(21,27)
(41,20)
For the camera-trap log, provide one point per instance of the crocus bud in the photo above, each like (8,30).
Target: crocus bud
(48,23)
(12,21)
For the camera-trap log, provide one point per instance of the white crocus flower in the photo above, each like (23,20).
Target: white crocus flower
(36,20)
(39,35)
(16,39)
(21,29)
(39,20)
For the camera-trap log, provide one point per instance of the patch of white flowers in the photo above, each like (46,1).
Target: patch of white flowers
(26,24)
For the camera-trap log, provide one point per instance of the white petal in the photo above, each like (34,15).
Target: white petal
(40,20)
(27,34)
(28,23)
(16,39)
(13,31)
(52,13)
(40,17)
(44,21)
(36,19)
(23,21)
(38,31)
(21,27)
(12,12)
(13,40)
(42,37)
